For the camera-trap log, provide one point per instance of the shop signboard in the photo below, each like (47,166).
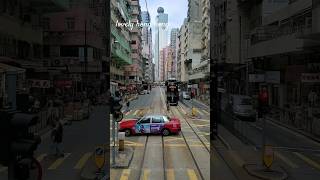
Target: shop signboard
(63,83)
(310,77)
(36,83)
(272,77)
(254,78)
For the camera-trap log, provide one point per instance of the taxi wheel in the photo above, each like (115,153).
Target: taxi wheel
(165,132)
(127,132)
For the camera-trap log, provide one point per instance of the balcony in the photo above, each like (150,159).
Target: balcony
(280,42)
(122,57)
(121,40)
(50,5)
(135,56)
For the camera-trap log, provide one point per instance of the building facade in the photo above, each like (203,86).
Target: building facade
(120,42)
(134,72)
(21,49)
(147,46)
(174,48)
(161,39)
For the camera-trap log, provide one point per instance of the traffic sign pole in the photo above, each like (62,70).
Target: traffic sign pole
(114,142)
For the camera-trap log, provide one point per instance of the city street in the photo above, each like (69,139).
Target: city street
(182,156)
(79,142)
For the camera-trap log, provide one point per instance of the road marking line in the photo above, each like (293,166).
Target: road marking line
(308,160)
(286,160)
(83,160)
(127,113)
(198,110)
(2,169)
(192,175)
(59,161)
(206,112)
(135,113)
(173,139)
(125,174)
(170,174)
(146,173)
(205,120)
(201,125)
(41,157)
(237,158)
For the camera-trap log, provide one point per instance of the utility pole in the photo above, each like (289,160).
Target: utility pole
(213,79)
(85,55)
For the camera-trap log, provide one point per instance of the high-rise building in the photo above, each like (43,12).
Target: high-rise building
(146,46)
(134,72)
(120,38)
(161,38)
(174,47)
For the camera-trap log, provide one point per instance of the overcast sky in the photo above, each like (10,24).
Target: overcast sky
(176,10)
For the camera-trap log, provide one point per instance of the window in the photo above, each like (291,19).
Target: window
(46,23)
(157,119)
(70,23)
(133,42)
(145,120)
(69,51)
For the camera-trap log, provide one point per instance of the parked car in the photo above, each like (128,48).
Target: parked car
(185,95)
(242,107)
(142,92)
(151,124)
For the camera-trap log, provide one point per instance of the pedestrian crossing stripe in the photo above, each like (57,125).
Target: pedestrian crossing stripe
(202,125)
(59,161)
(308,160)
(192,174)
(206,112)
(41,157)
(198,110)
(170,174)
(146,174)
(125,174)
(127,113)
(135,113)
(286,160)
(83,160)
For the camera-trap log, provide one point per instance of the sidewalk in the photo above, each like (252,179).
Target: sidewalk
(297,124)
(244,160)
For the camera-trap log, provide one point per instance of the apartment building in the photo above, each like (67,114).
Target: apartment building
(74,45)
(283,50)
(120,41)
(21,48)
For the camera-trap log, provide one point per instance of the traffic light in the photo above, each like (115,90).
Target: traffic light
(116,107)
(263,102)
(17,143)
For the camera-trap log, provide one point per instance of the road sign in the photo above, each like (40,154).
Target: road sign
(268,156)
(99,156)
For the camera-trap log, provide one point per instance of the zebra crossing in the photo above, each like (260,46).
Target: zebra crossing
(171,174)
(49,162)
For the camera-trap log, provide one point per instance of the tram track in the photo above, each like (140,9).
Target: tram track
(197,164)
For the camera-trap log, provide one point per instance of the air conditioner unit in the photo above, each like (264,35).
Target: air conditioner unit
(56,62)
(308,22)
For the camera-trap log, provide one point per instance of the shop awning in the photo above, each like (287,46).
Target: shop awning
(7,68)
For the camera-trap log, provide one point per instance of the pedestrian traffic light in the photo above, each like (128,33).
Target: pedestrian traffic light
(17,143)
(116,106)
(24,143)
(263,99)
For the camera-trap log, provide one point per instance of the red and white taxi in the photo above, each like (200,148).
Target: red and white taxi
(150,124)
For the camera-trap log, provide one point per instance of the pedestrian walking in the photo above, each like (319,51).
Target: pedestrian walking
(127,102)
(57,136)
